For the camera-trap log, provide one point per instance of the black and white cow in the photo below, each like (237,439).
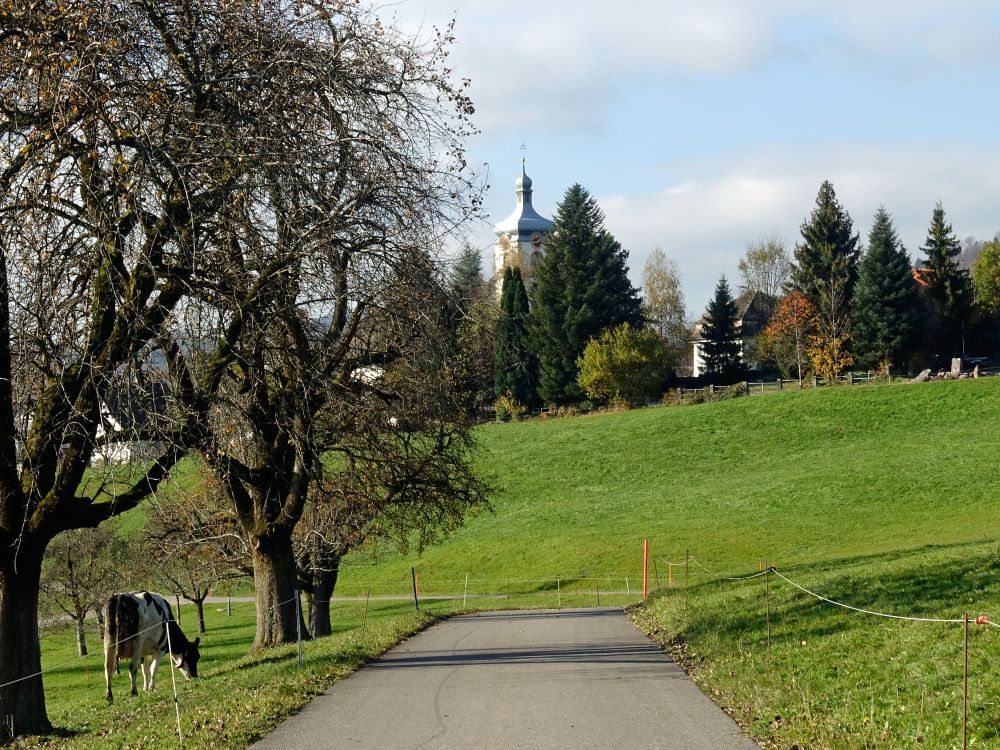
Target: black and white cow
(136,626)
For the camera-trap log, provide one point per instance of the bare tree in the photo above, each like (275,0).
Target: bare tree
(81,569)
(766,269)
(363,174)
(167,161)
(373,396)
(110,165)
(663,304)
(333,525)
(197,540)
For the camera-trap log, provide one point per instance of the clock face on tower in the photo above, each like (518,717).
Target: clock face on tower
(536,241)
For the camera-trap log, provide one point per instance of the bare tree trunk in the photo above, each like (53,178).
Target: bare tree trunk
(324,582)
(22,704)
(275,582)
(199,605)
(81,634)
(100,621)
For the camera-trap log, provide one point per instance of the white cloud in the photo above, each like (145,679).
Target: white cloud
(724,204)
(561,65)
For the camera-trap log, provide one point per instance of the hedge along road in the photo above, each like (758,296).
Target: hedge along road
(522,679)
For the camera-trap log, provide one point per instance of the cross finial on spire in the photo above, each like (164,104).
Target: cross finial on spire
(524,149)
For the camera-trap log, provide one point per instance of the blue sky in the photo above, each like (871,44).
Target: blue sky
(700,126)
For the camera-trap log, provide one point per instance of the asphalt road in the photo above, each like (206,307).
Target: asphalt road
(525,679)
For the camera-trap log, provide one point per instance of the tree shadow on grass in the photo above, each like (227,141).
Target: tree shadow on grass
(57,733)
(347,656)
(901,583)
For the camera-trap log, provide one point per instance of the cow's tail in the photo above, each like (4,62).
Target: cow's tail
(112,621)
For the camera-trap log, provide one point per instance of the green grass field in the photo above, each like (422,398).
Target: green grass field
(794,477)
(883,497)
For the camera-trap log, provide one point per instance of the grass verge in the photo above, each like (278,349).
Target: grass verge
(239,697)
(837,678)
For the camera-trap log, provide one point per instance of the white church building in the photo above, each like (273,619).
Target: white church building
(521,236)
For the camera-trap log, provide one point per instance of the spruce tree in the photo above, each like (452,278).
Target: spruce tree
(721,350)
(513,368)
(467,282)
(886,303)
(829,248)
(580,289)
(947,287)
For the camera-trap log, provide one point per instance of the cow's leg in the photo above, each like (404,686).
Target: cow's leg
(132,667)
(109,666)
(153,667)
(146,681)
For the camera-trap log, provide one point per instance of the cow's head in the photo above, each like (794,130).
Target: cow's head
(188,661)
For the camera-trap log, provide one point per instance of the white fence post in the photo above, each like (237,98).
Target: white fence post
(298,625)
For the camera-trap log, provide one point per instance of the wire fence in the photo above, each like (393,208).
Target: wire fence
(764,387)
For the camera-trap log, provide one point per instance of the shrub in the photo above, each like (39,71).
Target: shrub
(617,403)
(829,356)
(721,394)
(506,408)
(622,363)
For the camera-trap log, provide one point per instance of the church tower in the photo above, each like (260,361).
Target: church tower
(521,236)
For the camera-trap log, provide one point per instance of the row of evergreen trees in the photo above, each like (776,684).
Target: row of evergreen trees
(864,306)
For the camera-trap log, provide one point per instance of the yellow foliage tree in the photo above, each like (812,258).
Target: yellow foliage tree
(622,363)
(829,356)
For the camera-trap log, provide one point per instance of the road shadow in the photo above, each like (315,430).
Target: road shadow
(540,614)
(605,654)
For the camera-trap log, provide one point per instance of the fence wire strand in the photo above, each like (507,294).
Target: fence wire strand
(77,659)
(727,578)
(869,611)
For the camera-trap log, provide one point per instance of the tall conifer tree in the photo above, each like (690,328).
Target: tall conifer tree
(829,248)
(513,369)
(467,283)
(580,289)
(721,350)
(885,304)
(948,290)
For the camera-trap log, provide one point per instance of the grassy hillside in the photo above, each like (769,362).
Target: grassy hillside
(794,477)
(838,678)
